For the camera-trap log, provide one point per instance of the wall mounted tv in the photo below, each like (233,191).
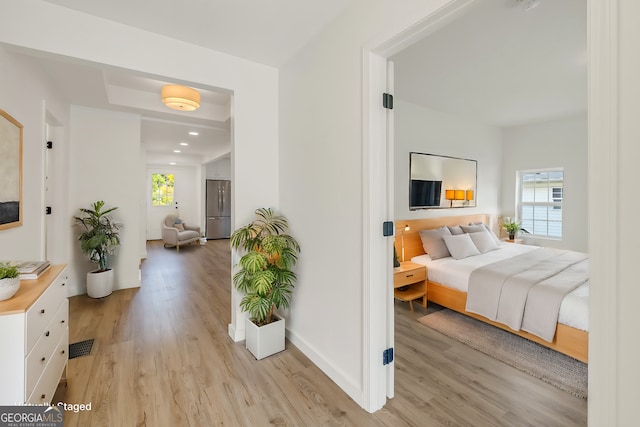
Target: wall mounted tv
(440,182)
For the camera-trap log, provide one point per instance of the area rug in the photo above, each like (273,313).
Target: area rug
(562,371)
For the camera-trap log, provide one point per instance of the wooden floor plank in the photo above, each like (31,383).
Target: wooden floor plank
(162,357)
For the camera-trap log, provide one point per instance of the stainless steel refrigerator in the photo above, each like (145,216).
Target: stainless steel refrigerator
(218,209)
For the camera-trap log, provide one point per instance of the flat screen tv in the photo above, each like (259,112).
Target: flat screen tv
(424,194)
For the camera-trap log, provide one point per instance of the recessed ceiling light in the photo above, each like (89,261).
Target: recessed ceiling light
(194,133)
(184,143)
(172,163)
(177,151)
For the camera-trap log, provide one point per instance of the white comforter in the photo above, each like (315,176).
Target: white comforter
(455,274)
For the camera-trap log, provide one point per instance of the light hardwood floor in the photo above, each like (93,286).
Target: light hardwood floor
(162,357)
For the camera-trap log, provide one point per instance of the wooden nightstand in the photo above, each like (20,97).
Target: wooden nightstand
(414,277)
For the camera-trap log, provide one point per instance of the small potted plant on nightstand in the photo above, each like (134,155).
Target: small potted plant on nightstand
(99,239)
(511,226)
(9,280)
(265,278)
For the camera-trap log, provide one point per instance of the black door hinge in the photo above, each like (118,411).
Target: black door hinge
(387,356)
(387,228)
(49,145)
(48,210)
(387,101)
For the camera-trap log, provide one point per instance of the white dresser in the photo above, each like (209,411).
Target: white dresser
(34,339)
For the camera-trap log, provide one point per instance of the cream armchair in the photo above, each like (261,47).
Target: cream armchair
(172,235)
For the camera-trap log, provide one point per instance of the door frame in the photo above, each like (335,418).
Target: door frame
(378,184)
(603,142)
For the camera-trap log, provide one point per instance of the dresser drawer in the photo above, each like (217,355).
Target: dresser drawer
(43,350)
(408,277)
(42,311)
(48,382)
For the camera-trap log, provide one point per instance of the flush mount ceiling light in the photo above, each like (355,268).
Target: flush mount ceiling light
(180,97)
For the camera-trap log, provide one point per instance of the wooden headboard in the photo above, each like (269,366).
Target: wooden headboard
(412,242)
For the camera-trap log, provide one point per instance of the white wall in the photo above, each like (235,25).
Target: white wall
(428,131)
(105,165)
(26,95)
(321,184)
(558,143)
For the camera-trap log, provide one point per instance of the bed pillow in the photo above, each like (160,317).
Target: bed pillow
(493,235)
(483,241)
(433,244)
(460,246)
(455,230)
(473,228)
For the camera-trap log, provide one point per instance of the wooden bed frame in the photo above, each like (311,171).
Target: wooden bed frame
(567,340)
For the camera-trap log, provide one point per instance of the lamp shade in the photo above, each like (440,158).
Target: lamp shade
(469,194)
(449,194)
(180,97)
(459,195)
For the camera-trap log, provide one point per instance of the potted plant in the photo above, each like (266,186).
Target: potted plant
(265,278)
(511,226)
(99,239)
(9,280)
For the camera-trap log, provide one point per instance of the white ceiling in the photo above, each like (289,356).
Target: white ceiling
(268,32)
(496,63)
(501,65)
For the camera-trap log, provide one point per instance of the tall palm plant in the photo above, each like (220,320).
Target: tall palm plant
(99,237)
(265,275)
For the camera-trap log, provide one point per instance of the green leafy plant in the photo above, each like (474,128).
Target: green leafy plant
(8,271)
(100,235)
(510,225)
(264,275)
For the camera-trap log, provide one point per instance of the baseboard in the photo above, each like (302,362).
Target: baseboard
(343,381)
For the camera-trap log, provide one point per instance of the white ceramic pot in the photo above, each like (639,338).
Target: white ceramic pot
(99,283)
(9,287)
(265,340)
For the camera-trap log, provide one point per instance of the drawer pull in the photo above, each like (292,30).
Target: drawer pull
(62,352)
(43,359)
(409,275)
(46,334)
(42,396)
(62,321)
(42,311)
(64,284)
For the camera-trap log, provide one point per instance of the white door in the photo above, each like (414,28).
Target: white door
(161,200)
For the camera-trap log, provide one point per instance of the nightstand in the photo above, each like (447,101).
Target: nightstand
(414,277)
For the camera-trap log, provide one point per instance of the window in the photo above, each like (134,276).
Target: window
(540,202)
(162,189)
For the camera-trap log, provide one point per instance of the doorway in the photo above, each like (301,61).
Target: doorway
(376,75)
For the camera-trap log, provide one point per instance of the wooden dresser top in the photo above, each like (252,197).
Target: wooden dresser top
(30,291)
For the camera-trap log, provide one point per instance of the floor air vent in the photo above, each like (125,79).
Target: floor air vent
(82,348)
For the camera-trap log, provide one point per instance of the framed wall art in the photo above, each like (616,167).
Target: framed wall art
(10,172)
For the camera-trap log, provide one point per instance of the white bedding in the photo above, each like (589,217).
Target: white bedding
(453,273)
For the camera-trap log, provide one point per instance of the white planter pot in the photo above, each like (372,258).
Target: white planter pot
(265,340)
(99,283)
(9,287)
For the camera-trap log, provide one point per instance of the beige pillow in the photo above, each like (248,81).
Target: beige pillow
(483,241)
(460,246)
(433,244)
(179,226)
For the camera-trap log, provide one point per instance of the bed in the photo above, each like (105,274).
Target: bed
(448,278)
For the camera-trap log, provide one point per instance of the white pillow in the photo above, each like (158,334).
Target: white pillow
(483,241)
(432,242)
(460,246)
